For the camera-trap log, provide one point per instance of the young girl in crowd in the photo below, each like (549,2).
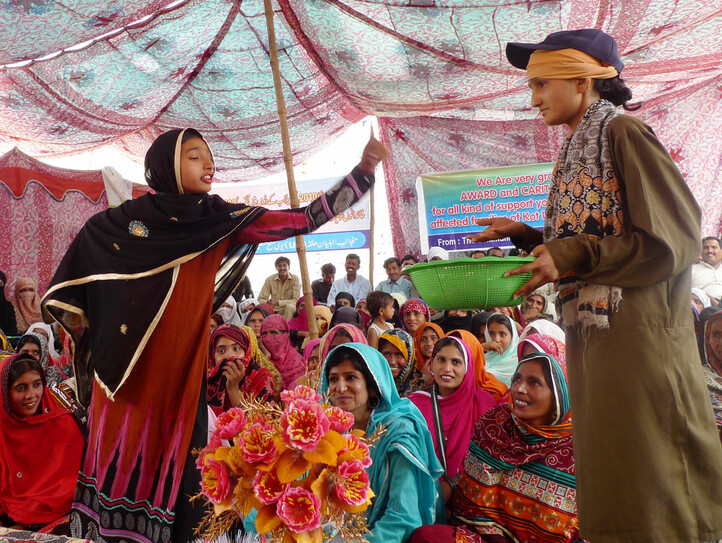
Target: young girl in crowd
(40,449)
(519,452)
(501,341)
(131,275)
(621,233)
(414,312)
(397,347)
(426,336)
(404,473)
(233,369)
(452,405)
(381,308)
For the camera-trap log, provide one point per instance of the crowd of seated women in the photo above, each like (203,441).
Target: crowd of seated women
(478,441)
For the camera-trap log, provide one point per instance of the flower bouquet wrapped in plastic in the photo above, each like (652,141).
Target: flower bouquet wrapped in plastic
(299,466)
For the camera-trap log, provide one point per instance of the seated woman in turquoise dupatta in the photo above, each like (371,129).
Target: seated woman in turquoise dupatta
(405,472)
(518,481)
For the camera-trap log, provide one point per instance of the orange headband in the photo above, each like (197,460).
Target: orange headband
(397,342)
(567,64)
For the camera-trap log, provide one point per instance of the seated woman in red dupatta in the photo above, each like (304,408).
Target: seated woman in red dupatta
(518,479)
(286,359)
(452,405)
(233,369)
(40,449)
(123,290)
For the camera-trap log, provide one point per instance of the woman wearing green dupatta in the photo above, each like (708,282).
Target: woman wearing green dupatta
(404,473)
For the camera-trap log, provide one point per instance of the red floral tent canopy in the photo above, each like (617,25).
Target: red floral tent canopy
(433,72)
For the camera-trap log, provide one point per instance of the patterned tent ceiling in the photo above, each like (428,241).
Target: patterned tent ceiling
(433,71)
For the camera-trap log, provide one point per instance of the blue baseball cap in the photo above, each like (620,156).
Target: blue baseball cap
(591,41)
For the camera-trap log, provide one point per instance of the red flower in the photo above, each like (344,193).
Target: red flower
(341,421)
(301,392)
(303,424)
(352,484)
(299,509)
(268,488)
(215,480)
(231,423)
(257,444)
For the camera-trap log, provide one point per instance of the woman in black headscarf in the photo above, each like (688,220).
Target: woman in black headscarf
(123,291)
(7,312)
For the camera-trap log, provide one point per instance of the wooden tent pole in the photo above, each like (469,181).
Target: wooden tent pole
(288,162)
(372,224)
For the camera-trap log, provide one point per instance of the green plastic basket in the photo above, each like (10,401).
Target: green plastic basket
(469,283)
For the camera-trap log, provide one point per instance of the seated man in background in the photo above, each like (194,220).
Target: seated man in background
(707,274)
(408,260)
(356,285)
(321,287)
(282,290)
(395,282)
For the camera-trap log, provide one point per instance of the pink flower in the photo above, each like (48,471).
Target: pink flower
(230,423)
(352,484)
(215,480)
(299,509)
(267,487)
(301,392)
(213,444)
(341,421)
(355,445)
(303,424)
(257,444)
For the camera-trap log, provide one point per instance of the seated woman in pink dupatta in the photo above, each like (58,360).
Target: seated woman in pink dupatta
(452,405)
(341,333)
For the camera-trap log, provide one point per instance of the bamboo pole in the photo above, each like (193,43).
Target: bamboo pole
(288,162)
(372,223)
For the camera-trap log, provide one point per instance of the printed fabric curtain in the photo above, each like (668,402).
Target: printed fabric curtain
(79,75)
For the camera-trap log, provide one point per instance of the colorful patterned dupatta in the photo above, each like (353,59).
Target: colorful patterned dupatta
(518,480)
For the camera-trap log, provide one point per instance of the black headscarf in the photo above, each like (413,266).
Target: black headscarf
(113,281)
(349,315)
(7,311)
(345,296)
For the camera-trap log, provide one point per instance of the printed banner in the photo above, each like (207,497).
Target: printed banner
(450,203)
(347,231)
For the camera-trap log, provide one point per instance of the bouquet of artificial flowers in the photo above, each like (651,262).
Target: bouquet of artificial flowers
(299,466)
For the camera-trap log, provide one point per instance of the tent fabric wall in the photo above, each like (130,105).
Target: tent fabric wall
(40,220)
(434,71)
